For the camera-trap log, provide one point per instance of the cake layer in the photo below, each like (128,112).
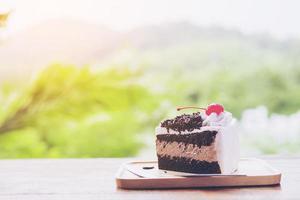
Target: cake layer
(175,149)
(188,165)
(204,138)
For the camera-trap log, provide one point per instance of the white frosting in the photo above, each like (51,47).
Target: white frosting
(223,119)
(228,148)
(226,142)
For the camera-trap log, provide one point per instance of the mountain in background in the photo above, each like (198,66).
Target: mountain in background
(163,46)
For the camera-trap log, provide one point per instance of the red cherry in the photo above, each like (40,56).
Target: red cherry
(216,108)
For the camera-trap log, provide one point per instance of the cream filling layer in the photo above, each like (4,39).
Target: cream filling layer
(162,130)
(175,149)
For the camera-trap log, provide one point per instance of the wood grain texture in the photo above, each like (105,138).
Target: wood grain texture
(94,179)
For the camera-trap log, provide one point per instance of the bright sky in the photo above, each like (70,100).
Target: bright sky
(280,18)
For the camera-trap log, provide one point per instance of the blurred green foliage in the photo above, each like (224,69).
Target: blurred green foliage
(276,88)
(74,112)
(79,112)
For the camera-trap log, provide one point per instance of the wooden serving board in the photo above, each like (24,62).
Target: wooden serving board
(146,175)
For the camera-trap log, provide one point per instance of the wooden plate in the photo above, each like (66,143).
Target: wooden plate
(146,175)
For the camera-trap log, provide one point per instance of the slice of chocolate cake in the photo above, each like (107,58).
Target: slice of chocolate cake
(202,142)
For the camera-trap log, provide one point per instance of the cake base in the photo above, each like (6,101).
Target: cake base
(188,165)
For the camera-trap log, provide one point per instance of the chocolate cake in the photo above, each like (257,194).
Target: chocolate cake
(202,142)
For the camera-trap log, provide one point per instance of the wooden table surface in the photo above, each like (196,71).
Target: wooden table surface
(94,179)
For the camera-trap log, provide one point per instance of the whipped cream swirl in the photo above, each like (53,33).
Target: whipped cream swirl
(223,119)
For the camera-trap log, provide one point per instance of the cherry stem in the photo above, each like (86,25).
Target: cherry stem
(188,107)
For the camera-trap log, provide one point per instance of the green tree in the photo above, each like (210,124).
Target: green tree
(75,112)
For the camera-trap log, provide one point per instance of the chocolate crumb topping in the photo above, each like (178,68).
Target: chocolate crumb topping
(184,122)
